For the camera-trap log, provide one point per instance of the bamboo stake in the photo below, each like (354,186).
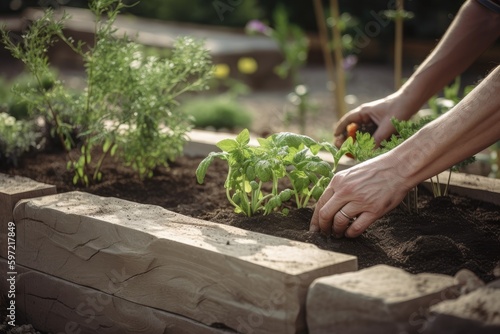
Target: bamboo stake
(337,49)
(323,37)
(498,159)
(398,44)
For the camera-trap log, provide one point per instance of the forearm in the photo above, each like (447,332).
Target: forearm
(473,30)
(469,127)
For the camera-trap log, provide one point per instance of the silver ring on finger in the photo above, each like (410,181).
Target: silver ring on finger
(351,219)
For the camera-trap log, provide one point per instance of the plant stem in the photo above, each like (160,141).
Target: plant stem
(55,117)
(434,187)
(415,199)
(438,187)
(498,159)
(228,195)
(99,162)
(447,184)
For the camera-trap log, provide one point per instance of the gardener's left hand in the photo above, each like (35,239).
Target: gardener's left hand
(363,192)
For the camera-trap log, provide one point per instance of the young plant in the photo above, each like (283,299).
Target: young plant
(129,107)
(294,157)
(363,149)
(278,157)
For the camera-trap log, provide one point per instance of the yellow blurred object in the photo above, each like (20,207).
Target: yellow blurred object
(221,71)
(247,65)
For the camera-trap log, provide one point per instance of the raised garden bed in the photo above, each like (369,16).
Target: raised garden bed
(447,235)
(416,242)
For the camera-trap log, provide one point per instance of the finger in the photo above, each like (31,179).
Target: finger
(351,117)
(314,226)
(327,214)
(384,131)
(339,140)
(341,222)
(360,225)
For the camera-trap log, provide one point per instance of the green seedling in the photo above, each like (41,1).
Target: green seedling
(288,156)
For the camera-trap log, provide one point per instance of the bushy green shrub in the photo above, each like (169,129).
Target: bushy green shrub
(218,112)
(130,104)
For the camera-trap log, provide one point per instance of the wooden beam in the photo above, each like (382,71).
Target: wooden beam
(473,186)
(210,273)
(54,305)
(12,190)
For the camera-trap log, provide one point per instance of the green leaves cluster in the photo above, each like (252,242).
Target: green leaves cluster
(16,138)
(129,107)
(281,156)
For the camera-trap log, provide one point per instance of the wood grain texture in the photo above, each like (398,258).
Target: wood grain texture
(211,273)
(13,189)
(473,186)
(54,305)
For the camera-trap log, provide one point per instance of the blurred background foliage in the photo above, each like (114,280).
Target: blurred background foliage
(432,17)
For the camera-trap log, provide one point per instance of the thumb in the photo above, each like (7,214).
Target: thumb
(384,131)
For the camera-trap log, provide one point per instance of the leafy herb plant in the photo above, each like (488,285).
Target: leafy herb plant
(281,156)
(129,108)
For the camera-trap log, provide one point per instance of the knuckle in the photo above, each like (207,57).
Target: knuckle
(323,215)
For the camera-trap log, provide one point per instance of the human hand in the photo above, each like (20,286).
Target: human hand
(364,193)
(379,112)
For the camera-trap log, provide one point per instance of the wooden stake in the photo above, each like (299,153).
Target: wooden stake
(398,44)
(323,37)
(337,50)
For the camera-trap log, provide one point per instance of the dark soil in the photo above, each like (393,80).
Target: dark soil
(448,233)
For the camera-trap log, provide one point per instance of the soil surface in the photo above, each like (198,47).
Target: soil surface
(448,233)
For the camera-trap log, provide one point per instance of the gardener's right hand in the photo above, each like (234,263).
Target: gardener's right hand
(365,192)
(379,112)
